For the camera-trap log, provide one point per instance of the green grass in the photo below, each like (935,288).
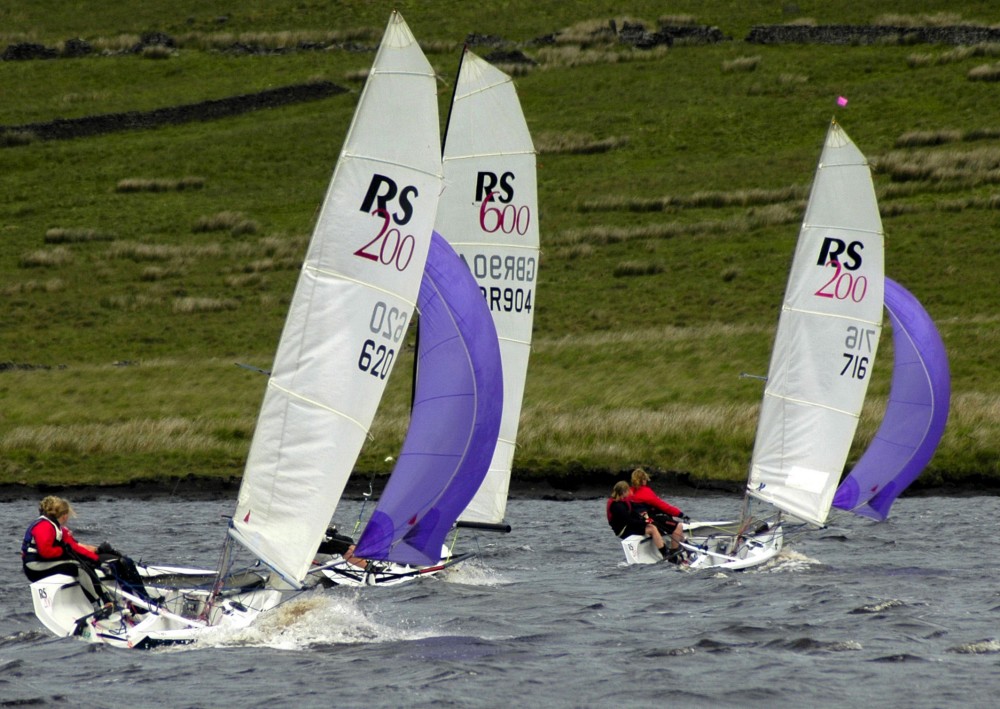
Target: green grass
(670,186)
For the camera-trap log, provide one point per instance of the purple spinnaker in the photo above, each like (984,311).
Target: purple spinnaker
(914,418)
(454,422)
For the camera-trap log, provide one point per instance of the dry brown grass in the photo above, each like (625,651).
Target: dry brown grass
(573,55)
(192,304)
(938,19)
(589,33)
(755,218)
(130,303)
(288,39)
(677,21)
(741,64)
(637,268)
(133,436)
(980,164)
(50,285)
(60,235)
(139,251)
(144,184)
(551,143)
(697,200)
(983,49)
(46,258)
(236,223)
(984,72)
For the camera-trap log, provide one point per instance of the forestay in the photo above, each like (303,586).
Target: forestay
(914,417)
(354,299)
(826,339)
(489,213)
(454,421)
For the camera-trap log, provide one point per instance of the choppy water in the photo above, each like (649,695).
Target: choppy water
(902,614)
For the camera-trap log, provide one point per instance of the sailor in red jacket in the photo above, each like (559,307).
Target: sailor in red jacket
(49,548)
(643,494)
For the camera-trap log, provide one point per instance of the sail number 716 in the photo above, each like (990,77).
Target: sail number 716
(859,344)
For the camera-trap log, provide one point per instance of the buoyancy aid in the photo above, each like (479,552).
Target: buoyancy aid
(29,547)
(624,514)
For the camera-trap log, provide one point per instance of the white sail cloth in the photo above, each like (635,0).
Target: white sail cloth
(826,340)
(489,214)
(348,316)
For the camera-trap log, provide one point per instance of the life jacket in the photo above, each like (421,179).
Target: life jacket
(632,514)
(29,548)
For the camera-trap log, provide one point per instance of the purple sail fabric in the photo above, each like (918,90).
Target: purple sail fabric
(914,418)
(455,419)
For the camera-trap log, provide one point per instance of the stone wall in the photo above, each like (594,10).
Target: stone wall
(871,34)
(66,128)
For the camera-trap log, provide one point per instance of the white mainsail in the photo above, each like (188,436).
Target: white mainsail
(349,314)
(489,214)
(826,339)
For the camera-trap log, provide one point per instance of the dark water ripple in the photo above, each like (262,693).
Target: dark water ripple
(855,614)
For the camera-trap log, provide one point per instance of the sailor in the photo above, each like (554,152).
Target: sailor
(662,512)
(627,518)
(49,548)
(335,543)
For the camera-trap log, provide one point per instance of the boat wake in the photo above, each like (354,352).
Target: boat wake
(788,561)
(319,619)
(473,573)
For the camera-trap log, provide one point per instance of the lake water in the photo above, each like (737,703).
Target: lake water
(900,614)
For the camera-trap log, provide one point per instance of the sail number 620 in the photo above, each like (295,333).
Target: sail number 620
(376,359)
(388,323)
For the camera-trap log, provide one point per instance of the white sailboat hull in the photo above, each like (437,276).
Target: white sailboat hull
(710,545)
(183,615)
(179,618)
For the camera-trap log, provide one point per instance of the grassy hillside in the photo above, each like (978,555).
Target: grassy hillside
(671,183)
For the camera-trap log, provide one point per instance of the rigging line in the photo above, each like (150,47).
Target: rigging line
(515,340)
(273,384)
(815,404)
(385,161)
(364,503)
(366,284)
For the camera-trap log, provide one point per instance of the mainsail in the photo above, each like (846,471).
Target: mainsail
(826,339)
(489,214)
(914,418)
(454,421)
(349,313)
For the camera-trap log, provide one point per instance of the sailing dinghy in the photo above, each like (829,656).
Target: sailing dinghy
(824,349)
(489,214)
(354,299)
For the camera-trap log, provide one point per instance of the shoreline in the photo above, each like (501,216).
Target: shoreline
(591,485)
